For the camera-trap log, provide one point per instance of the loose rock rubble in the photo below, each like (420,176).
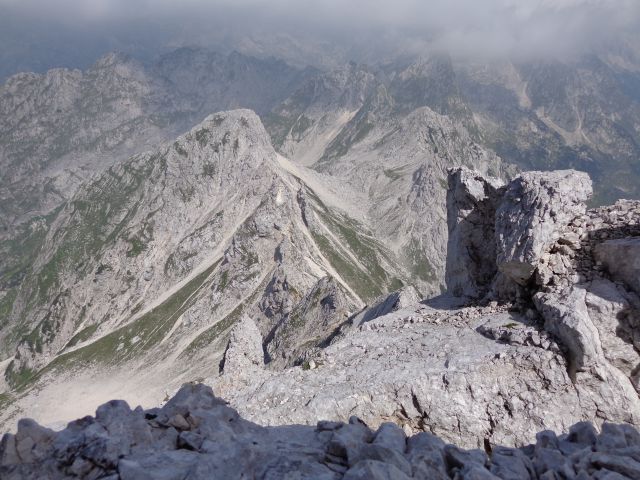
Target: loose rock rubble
(197,436)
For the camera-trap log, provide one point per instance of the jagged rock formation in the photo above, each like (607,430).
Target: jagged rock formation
(197,436)
(559,351)
(244,351)
(471,251)
(506,229)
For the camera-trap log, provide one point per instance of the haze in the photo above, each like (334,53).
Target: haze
(39,34)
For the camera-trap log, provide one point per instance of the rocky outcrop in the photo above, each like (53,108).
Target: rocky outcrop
(534,207)
(197,436)
(471,250)
(397,300)
(506,230)
(244,351)
(559,256)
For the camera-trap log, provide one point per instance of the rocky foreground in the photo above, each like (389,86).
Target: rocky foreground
(197,436)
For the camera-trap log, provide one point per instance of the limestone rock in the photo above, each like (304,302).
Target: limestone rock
(534,208)
(244,350)
(566,316)
(402,298)
(120,443)
(615,314)
(471,255)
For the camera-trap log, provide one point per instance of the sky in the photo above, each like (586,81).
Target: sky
(69,31)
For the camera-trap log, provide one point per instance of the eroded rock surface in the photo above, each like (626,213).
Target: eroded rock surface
(197,436)
(534,207)
(471,208)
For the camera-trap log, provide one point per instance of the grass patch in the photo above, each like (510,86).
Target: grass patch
(5,400)
(224,281)
(6,306)
(137,247)
(18,379)
(139,336)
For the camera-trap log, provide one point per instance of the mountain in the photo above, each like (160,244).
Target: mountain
(390,135)
(59,128)
(582,114)
(451,388)
(391,131)
(150,264)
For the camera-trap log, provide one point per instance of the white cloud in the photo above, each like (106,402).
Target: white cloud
(470,27)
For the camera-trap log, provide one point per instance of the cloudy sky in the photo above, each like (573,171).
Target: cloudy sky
(67,31)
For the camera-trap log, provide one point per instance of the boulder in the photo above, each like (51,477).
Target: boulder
(535,206)
(567,318)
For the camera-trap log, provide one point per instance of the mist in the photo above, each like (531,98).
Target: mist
(39,34)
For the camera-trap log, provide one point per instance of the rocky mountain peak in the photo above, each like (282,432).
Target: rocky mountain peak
(237,124)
